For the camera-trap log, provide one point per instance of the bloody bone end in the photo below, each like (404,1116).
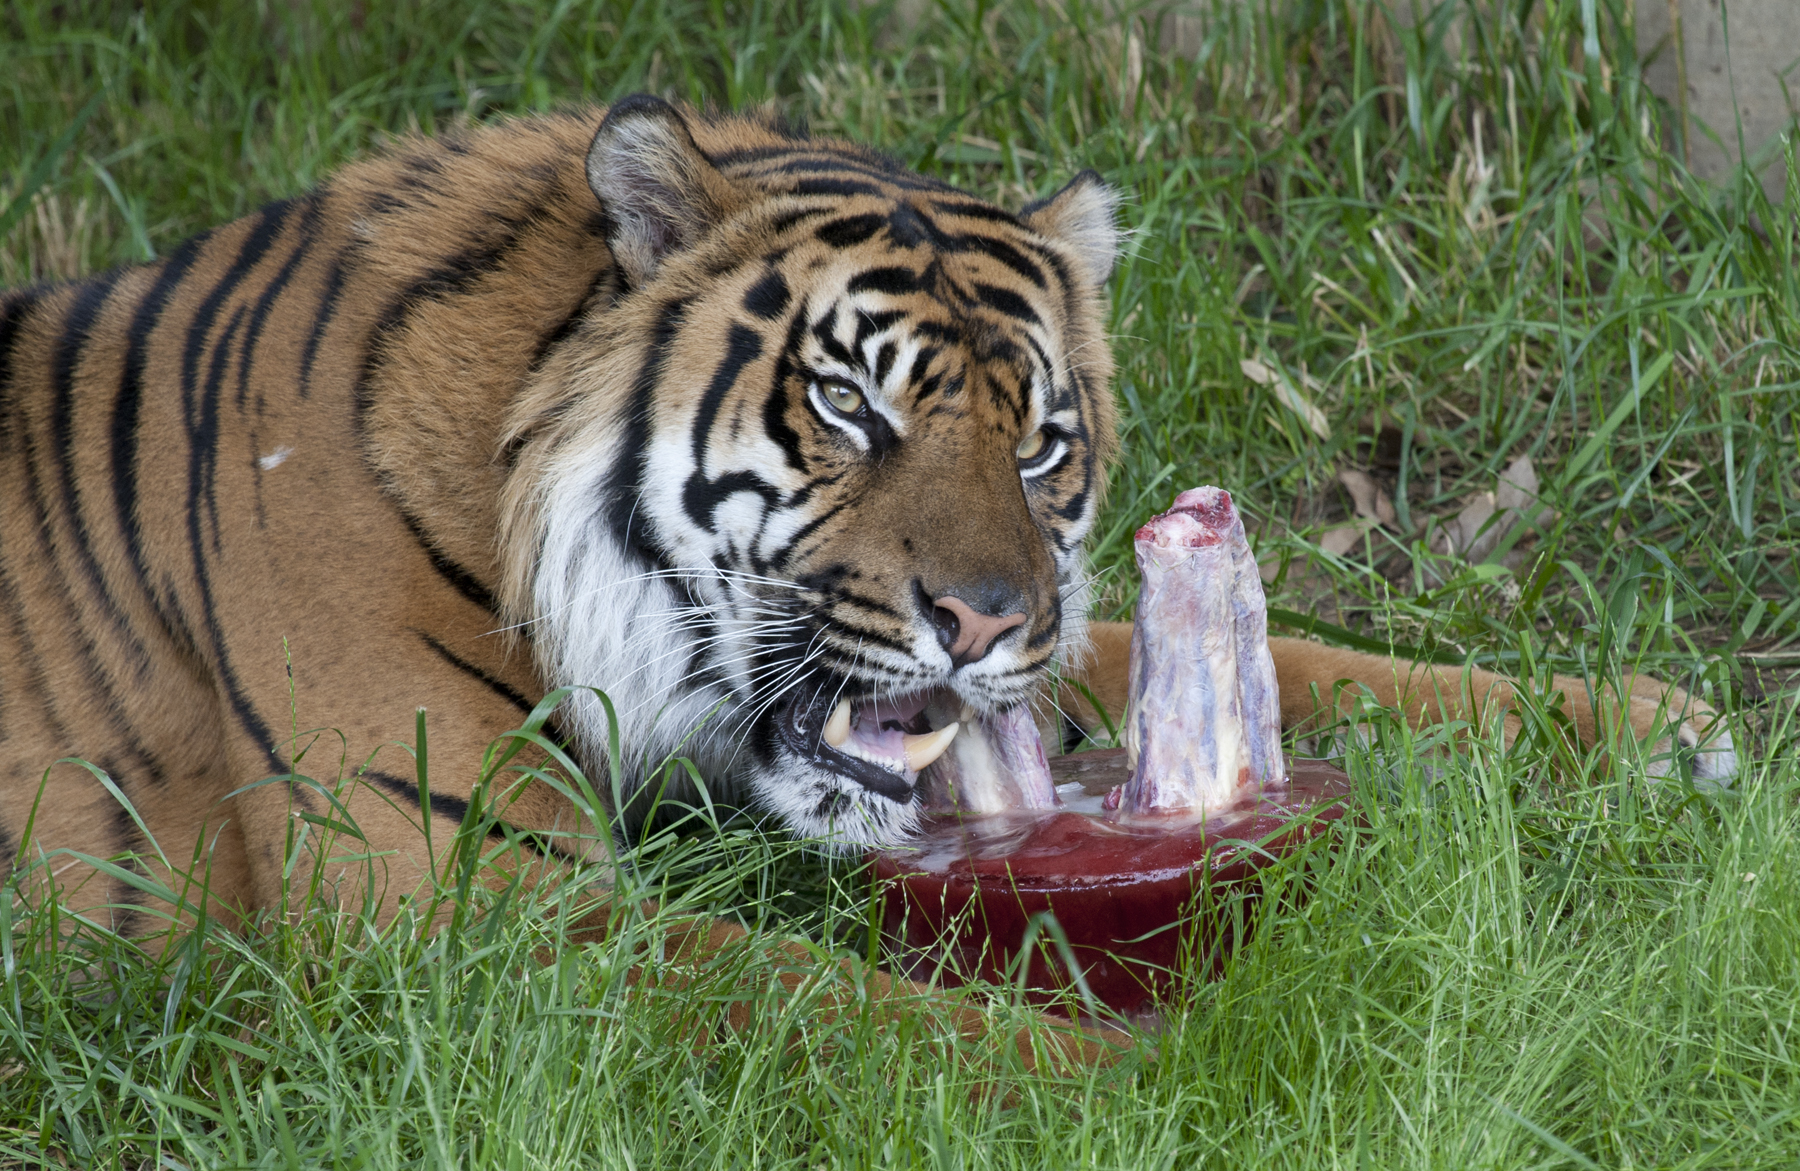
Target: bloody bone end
(1200,517)
(1204,726)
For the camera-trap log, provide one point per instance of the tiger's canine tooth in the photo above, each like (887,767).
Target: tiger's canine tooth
(837,728)
(921,750)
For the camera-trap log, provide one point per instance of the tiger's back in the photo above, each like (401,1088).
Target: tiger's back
(189,490)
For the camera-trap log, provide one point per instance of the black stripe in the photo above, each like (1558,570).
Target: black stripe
(864,602)
(302,247)
(768,297)
(457,808)
(14,309)
(566,328)
(95,682)
(788,219)
(975,211)
(625,485)
(128,406)
(200,414)
(775,406)
(784,554)
(908,229)
(265,228)
(824,333)
(128,840)
(894,176)
(442,804)
(854,635)
(457,274)
(849,231)
(207,435)
(203,427)
(1072,294)
(938,331)
(894,280)
(1044,364)
(842,187)
(497,686)
(33,679)
(328,306)
(78,326)
(701,496)
(77,330)
(920,375)
(1076,504)
(1006,301)
(1006,254)
(869,324)
(460,579)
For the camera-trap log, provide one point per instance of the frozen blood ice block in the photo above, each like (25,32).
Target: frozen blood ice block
(1197,802)
(1204,724)
(1139,901)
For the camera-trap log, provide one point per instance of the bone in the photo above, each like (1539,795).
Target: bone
(996,764)
(1204,726)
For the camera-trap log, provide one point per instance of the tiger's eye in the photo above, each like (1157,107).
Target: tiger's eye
(1032,446)
(842,396)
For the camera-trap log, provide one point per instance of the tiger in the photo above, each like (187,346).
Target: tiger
(733,431)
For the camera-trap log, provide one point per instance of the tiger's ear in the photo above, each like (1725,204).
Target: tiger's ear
(659,193)
(1082,217)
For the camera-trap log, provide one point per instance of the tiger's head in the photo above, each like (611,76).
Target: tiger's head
(809,478)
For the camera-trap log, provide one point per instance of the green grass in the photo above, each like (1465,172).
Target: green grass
(1520,959)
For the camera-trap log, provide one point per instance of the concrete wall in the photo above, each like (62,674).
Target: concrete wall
(1726,81)
(1763,51)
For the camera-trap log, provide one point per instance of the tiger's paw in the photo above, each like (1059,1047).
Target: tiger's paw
(1689,740)
(1700,750)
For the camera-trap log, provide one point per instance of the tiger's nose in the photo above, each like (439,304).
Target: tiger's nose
(965,632)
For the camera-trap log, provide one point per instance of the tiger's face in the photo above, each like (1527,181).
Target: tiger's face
(811,489)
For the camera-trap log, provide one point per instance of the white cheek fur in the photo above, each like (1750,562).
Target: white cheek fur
(603,621)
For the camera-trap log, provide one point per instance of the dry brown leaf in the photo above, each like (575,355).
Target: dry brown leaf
(1339,540)
(1292,397)
(1485,520)
(1371,502)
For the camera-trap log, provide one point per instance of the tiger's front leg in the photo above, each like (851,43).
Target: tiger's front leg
(1314,677)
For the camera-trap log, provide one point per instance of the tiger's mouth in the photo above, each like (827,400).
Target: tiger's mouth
(881,744)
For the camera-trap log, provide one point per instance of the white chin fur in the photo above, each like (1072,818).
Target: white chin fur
(834,811)
(603,623)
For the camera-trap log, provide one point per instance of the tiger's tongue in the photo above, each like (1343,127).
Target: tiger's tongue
(894,733)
